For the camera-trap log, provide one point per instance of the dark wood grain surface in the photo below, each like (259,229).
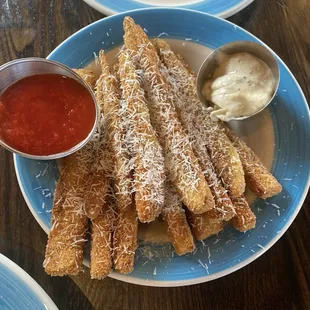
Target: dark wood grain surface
(280,279)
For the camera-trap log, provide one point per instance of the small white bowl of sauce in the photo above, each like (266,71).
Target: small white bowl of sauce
(238,80)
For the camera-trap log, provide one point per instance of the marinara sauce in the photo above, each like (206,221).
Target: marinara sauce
(46,114)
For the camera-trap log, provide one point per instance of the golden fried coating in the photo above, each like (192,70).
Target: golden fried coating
(148,161)
(118,148)
(245,219)
(117,155)
(125,240)
(260,181)
(96,193)
(66,241)
(101,243)
(224,156)
(177,76)
(88,76)
(182,165)
(205,225)
(177,227)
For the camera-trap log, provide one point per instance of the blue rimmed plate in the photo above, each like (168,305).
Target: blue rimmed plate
(278,136)
(19,291)
(221,8)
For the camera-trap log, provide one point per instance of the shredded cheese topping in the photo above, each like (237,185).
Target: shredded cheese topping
(148,160)
(190,115)
(223,155)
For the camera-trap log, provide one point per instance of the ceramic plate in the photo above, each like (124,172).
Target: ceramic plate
(19,291)
(278,136)
(221,8)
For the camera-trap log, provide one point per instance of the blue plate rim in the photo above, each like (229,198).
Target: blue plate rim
(224,14)
(29,281)
(207,278)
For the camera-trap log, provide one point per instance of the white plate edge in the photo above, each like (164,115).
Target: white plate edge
(225,14)
(31,283)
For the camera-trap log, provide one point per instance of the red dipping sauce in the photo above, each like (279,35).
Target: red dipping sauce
(46,114)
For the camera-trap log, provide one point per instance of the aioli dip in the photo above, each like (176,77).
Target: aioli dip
(241,86)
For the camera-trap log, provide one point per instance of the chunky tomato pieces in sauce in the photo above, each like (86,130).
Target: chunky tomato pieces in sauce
(45,114)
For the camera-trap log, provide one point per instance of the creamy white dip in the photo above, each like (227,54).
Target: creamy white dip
(241,86)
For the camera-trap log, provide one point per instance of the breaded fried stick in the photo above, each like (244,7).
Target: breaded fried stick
(64,250)
(183,168)
(96,191)
(148,161)
(146,144)
(245,219)
(125,232)
(88,76)
(209,223)
(261,182)
(108,97)
(101,213)
(66,241)
(177,76)
(177,227)
(101,242)
(224,156)
(125,240)
(205,225)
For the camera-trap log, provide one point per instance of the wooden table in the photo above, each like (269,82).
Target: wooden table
(280,279)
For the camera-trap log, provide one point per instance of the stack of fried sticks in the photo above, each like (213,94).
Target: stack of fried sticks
(156,152)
